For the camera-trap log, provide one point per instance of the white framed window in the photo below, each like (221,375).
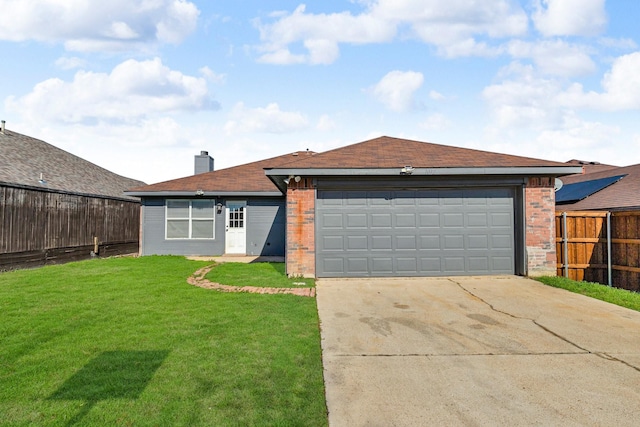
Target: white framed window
(190,219)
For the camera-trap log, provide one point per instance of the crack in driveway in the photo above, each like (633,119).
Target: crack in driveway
(544,328)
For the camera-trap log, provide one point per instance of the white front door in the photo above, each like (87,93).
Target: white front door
(236,226)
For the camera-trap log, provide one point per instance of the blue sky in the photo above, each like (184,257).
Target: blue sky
(141,86)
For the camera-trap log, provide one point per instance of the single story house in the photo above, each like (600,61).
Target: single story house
(382,207)
(600,187)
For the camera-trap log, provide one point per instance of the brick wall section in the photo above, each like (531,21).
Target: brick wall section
(540,227)
(301,244)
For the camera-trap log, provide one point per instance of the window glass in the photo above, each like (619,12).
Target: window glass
(202,209)
(190,219)
(177,208)
(202,229)
(177,229)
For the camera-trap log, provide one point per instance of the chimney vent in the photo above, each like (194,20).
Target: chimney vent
(203,163)
(2,125)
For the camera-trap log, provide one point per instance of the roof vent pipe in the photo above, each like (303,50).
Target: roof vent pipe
(2,124)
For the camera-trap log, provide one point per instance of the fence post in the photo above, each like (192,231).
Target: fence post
(565,245)
(609,281)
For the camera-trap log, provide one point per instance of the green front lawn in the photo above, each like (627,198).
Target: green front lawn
(264,274)
(617,296)
(126,341)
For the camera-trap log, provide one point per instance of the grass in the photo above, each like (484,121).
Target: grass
(617,296)
(126,341)
(265,274)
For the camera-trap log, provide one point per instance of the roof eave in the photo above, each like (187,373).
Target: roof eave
(522,170)
(204,194)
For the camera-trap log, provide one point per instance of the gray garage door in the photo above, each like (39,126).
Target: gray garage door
(415,233)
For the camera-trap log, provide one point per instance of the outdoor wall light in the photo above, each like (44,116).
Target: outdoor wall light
(287,180)
(297,179)
(219,208)
(199,192)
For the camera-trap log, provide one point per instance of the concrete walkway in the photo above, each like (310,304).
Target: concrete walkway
(476,351)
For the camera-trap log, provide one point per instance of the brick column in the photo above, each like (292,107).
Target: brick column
(540,227)
(301,243)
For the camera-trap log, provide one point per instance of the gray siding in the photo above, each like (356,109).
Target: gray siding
(266,227)
(265,230)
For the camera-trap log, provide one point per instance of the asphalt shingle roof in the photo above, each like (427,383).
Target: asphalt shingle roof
(388,152)
(23,159)
(383,152)
(624,194)
(249,178)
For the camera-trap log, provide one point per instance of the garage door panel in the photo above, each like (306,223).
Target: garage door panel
(415,232)
(333,265)
(384,243)
(478,241)
(381,220)
(454,220)
(453,242)
(404,243)
(429,220)
(333,243)
(430,265)
(356,220)
(430,242)
(406,220)
(357,243)
(504,241)
(382,265)
(331,220)
(407,265)
(501,219)
(357,265)
(453,264)
(478,264)
(477,220)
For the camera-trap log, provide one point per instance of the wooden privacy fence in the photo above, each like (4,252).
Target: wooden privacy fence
(602,247)
(42,227)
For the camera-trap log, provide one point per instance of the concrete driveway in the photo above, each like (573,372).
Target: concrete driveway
(476,351)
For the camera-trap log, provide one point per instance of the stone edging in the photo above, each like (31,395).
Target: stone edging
(198,279)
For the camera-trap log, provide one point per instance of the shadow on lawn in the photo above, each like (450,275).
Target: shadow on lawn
(111,375)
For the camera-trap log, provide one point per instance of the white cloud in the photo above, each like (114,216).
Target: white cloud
(210,75)
(435,121)
(450,25)
(69,63)
(570,17)
(555,57)
(621,88)
(325,123)
(436,96)
(133,90)
(396,89)
(269,119)
(116,25)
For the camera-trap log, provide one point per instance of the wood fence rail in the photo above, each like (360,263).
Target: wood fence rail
(599,246)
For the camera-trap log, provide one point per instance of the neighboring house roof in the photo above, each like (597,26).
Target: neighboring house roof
(30,162)
(571,193)
(590,167)
(379,156)
(622,194)
(245,179)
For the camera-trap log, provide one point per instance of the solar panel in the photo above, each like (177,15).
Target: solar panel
(570,193)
